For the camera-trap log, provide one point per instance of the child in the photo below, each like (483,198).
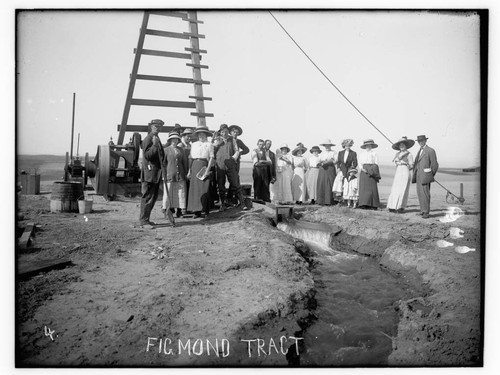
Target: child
(351,191)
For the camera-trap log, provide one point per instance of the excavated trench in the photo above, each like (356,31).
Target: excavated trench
(356,298)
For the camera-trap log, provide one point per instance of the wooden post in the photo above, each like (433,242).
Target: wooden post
(72,128)
(461,190)
(195,59)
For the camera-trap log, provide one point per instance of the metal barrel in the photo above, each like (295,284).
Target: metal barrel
(65,196)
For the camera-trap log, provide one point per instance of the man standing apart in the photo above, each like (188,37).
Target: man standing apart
(272,167)
(424,170)
(226,156)
(151,171)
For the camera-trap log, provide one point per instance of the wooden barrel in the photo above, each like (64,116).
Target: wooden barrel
(65,195)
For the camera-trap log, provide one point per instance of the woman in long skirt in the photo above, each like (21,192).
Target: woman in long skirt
(312,174)
(398,199)
(369,176)
(202,155)
(175,169)
(298,179)
(327,173)
(284,173)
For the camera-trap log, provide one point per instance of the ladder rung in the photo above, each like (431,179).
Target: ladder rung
(164,53)
(197,66)
(198,114)
(200,97)
(192,35)
(162,103)
(169,14)
(192,20)
(171,79)
(196,50)
(167,34)
(144,128)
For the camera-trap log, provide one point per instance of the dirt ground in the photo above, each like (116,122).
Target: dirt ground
(230,289)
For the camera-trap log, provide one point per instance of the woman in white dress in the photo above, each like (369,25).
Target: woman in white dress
(398,199)
(284,173)
(298,179)
(312,174)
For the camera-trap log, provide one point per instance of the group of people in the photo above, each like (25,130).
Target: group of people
(195,164)
(326,178)
(193,170)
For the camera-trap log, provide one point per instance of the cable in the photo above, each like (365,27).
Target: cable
(336,88)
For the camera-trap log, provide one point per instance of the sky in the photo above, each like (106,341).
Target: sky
(408,72)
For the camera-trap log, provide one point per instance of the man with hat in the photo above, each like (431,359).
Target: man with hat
(235,131)
(151,171)
(424,170)
(226,156)
(185,145)
(260,173)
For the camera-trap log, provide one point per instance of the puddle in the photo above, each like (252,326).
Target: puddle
(357,301)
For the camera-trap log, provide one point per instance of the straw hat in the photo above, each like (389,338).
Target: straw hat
(235,127)
(202,129)
(300,147)
(173,135)
(187,131)
(369,142)
(353,170)
(422,138)
(408,142)
(327,142)
(284,145)
(315,148)
(347,142)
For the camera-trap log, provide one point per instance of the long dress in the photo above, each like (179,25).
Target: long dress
(398,199)
(283,184)
(199,194)
(312,177)
(326,177)
(174,179)
(298,179)
(260,176)
(368,190)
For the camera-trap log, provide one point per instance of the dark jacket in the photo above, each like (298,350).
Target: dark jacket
(426,160)
(151,160)
(175,164)
(272,167)
(351,162)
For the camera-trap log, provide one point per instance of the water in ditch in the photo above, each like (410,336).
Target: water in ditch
(357,304)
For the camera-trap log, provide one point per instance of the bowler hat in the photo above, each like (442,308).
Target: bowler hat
(235,127)
(369,142)
(422,138)
(408,142)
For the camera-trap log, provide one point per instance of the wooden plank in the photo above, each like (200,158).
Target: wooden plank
(197,65)
(162,103)
(167,34)
(198,114)
(200,97)
(176,55)
(193,35)
(144,128)
(170,79)
(26,269)
(195,50)
(168,14)
(193,20)
(24,240)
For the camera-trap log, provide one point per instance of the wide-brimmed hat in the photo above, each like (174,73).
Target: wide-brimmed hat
(202,129)
(236,127)
(408,143)
(327,142)
(173,135)
(187,131)
(347,142)
(156,122)
(422,138)
(354,170)
(315,148)
(369,142)
(284,145)
(223,126)
(300,147)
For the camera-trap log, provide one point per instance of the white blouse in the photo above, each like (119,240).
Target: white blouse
(368,157)
(312,161)
(328,156)
(299,161)
(202,150)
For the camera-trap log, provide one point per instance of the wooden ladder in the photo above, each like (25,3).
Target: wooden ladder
(193,53)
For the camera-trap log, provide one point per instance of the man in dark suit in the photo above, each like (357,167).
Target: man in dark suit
(271,156)
(424,170)
(151,171)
